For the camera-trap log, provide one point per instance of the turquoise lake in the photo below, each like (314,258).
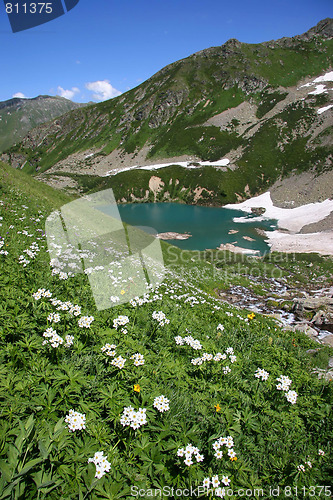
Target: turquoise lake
(209,226)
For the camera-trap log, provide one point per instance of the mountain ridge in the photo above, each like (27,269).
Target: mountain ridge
(19,115)
(170,116)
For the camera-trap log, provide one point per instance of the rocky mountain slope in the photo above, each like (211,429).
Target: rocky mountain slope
(18,116)
(264,107)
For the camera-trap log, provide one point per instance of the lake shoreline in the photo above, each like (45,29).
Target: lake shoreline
(288,237)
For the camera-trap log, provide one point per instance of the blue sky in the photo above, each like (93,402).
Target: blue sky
(103,47)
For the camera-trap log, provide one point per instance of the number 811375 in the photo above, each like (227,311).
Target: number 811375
(29,8)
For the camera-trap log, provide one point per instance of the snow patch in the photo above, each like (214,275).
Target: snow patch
(292,219)
(322,110)
(185,164)
(320,89)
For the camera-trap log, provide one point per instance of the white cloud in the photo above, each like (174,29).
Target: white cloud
(20,95)
(69,93)
(102,89)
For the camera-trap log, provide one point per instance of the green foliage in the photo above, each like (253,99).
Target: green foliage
(267,101)
(40,457)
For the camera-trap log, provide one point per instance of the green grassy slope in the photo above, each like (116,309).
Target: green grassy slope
(40,384)
(18,116)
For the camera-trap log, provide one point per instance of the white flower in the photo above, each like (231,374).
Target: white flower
(54,317)
(321,452)
(52,338)
(119,362)
(284,384)
(109,349)
(161,318)
(229,442)
(231,453)
(114,299)
(101,463)
(215,481)
(225,480)
(69,340)
(189,452)
(218,454)
(132,418)
(75,420)
(76,310)
(291,397)
(301,468)
(120,321)
(226,370)
(219,492)
(220,327)
(138,359)
(161,403)
(206,482)
(261,374)
(85,321)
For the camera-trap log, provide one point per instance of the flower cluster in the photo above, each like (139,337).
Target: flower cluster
(85,321)
(260,373)
(188,452)
(301,467)
(101,463)
(215,482)
(2,242)
(291,397)
(161,403)
(189,340)
(41,292)
(132,418)
(283,385)
(31,252)
(52,338)
(229,443)
(76,421)
(161,318)
(138,359)
(109,349)
(217,357)
(119,362)
(53,317)
(120,321)
(69,340)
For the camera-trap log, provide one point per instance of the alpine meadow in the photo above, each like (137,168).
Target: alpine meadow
(216,381)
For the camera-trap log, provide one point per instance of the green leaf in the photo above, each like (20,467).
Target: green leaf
(29,466)
(5,470)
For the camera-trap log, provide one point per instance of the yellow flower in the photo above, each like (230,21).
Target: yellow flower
(137,388)
(251,316)
(122,292)
(233,459)
(218,407)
